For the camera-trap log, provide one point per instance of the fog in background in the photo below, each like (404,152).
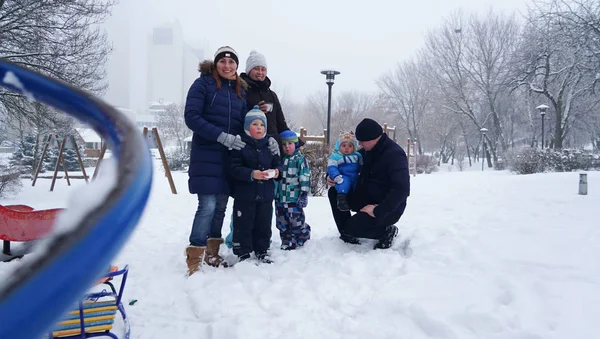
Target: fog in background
(361,39)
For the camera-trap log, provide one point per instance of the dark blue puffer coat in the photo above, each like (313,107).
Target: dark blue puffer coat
(255,156)
(208,112)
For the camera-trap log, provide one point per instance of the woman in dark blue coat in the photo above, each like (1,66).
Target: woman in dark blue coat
(214,111)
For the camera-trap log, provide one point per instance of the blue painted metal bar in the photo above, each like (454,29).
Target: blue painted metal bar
(38,294)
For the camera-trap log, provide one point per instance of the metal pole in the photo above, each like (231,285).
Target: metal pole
(482,152)
(543,118)
(329,114)
(583,190)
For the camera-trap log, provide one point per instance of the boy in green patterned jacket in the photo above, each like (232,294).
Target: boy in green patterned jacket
(291,196)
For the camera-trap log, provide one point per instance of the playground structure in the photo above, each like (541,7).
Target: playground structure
(36,295)
(153,140)
(390,131)
(67,142)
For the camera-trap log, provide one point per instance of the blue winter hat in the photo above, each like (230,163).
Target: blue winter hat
(253,114)
(289,136)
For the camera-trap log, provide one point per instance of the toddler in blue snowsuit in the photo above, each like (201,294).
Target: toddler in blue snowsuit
(344,166)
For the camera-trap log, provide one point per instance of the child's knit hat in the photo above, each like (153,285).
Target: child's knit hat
(253,114)
(289,136)
(348,137)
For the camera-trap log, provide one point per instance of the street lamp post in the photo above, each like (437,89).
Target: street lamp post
(483,131)
(329,79)
(542,108)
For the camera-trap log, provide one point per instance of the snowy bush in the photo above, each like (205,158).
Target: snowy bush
(317,154)
(10,181)
(178,159)
(533,160)
(426,164)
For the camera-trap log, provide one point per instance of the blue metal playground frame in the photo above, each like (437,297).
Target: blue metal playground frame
(39,293)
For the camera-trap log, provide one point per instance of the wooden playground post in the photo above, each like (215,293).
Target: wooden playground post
(153,135)
(58,163)
(163,157)
(39,166)
(102,151)
(305,137)
(389,130)
(74,142)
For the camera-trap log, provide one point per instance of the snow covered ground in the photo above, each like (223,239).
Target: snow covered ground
(496,256)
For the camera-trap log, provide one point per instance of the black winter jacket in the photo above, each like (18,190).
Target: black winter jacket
(255,156)
(261,91)
(384,179)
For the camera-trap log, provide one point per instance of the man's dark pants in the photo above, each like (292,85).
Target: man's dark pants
(360,225)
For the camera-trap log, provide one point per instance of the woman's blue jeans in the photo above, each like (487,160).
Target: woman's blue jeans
(208,220)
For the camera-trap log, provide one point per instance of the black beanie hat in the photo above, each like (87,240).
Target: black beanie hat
(368,129)
(226,52)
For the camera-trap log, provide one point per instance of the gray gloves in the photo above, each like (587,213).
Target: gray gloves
(231,141)
(274,146)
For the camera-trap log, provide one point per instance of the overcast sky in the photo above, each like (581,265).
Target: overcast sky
(361,39)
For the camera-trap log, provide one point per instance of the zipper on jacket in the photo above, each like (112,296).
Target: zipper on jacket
(229,99)
(212,102)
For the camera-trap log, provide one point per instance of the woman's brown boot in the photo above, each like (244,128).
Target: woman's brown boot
(212,257)
(194,256)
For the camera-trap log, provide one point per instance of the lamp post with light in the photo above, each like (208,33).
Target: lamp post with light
(329,79)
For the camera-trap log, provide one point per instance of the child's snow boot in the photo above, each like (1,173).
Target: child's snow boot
(264,258)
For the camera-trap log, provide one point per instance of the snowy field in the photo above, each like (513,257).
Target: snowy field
(495,256)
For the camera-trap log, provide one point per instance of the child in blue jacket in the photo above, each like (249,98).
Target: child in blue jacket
(344,166)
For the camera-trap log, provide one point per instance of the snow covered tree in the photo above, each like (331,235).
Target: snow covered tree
(59,38)
(23,158)
(70,157)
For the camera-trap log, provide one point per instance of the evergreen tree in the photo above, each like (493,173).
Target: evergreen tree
(70,156)
(52,155)
(22,159)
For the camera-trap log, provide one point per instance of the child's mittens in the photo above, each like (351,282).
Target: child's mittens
(338,180)
(303,200)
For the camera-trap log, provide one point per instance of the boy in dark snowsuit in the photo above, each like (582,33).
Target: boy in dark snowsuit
(253,169)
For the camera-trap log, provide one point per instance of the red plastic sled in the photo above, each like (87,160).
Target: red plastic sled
(23,223)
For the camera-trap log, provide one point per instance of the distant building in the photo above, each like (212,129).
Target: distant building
(172,64)
(91,140)
(119,62)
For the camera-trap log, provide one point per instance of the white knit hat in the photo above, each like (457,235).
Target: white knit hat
(255,59)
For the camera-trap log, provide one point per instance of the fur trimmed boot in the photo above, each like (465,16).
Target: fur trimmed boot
(212,257)
(194,256)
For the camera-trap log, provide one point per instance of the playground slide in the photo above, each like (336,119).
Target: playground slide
(35,295)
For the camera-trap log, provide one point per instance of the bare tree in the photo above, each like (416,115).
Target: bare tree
(171,124)
(316,110)
(59,38)
(469,57)
(555,66)
(408,94)
(350,108)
